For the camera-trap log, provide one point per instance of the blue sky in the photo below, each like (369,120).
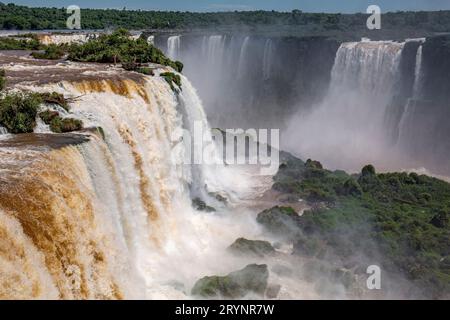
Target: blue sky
(229,5)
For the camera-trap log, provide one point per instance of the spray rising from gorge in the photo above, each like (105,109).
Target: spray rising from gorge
(113,211)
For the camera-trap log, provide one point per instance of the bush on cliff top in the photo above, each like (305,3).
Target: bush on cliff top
(51,52)
(18,111)
(118,47)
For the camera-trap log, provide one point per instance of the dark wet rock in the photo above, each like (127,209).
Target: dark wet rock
(219,197)
(259,248)
(252,279)
(200,205)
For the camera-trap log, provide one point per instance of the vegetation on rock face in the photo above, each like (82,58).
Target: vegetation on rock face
(2,79)
(18,111)
(252,247)
(62,125)
(252,279)
(58,124)
(55,98)
(172,79)
(281,220)
(118,47)
(398,219)
(51,52)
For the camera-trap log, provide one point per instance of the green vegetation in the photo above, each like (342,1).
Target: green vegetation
(118,47)
(252,279)
(14,17)
(19,43)
(172,79)
(258,248)
(51,52)
(398,219)
(2,79)
(18,111)
(58,124)
(55,98)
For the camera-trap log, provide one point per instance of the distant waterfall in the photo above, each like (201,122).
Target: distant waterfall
(418,73)
(173,47)
(213,49)
(243,56)
(267,58)
(347,128)
(410,104)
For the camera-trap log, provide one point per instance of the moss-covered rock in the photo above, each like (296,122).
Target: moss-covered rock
(250,280)
(279,220)
(259,248)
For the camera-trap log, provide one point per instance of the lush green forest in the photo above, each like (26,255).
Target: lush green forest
(13,17)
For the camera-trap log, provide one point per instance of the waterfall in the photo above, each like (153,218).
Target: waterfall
(112,218)
(3,130)
(173,47)
(213,49)
(416,94)
(243,56)
(418,73)
(347,128)
(151,40)
(267,58)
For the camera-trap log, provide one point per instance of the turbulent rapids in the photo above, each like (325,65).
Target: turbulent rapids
(118,207)
(86,217)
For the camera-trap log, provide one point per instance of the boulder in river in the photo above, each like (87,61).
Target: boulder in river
(250,280)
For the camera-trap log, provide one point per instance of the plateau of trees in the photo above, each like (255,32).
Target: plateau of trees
(14,17)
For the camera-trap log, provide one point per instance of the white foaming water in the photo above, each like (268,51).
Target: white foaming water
(213,49)
(346,130)
(173,47)
(267,59)
(418,73)
(243,55)
(147,239)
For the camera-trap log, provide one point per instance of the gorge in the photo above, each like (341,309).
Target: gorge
(111,211)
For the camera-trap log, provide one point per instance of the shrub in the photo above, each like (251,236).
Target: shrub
(2,79)
(61,125)
(51,52)
(8,43)
(118,47)
(47,116)
(172,79)
(55,98)
(18,111)
(368,170)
